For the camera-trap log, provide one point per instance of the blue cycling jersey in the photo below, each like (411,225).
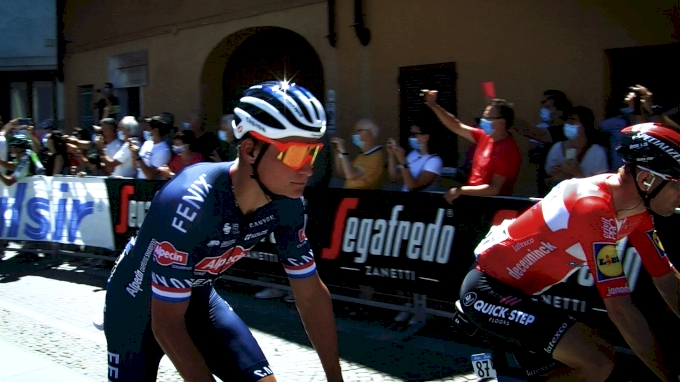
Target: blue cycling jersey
(193,232)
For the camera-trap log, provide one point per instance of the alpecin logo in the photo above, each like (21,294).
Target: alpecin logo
(166,254)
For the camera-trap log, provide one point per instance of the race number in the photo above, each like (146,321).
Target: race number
(482,365)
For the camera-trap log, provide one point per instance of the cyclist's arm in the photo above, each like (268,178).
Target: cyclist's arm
(669,288)
(169,328)
(635,330)
(313,301)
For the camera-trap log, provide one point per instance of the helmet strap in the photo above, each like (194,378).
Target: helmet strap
(256,176)
(647,197)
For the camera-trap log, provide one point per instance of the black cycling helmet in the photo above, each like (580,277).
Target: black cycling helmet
(652,147)
(19,141)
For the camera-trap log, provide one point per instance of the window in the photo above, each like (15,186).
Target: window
(19,99)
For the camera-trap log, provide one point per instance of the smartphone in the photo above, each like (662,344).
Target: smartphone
(570,154)
(24,121)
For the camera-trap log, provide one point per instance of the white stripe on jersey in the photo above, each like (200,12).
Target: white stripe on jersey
(172,295)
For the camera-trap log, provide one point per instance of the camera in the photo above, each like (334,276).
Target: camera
(24,121)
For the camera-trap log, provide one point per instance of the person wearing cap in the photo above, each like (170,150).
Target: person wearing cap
(18,147)
(154,153)
(107,141)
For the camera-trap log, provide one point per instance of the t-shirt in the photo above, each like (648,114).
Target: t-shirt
(176,164)
(126,168)
(573,226)
(112,147)
(373,163)
(194,231)
(502,158)
(594,160)
(418,163)
(154,155)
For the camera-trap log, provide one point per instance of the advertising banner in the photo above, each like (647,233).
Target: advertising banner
(67,210)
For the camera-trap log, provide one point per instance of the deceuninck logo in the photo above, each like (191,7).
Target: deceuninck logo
(470,298)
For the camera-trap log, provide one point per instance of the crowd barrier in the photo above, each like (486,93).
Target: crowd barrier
(393,241)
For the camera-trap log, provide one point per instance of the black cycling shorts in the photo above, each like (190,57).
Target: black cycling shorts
(509,313)
(224,341)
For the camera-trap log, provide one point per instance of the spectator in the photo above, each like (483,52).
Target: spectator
(169,118)
(227,150)
(185,154)
(107,142)
(579,156)
(22,166)
(418,171)
(154,153)
(636,108)
(421,167)
(367,171)
(58,159)
(107,106)
(497,157)
(121,162)
(546,133)
(206,142)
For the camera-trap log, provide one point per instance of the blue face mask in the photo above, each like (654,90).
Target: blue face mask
(120,135)
(222,135)
(147,136)
(356,139)
(570,131)
(186,126)
(545,115)
(413,142)
(177,149)
(486,125)
(627,111)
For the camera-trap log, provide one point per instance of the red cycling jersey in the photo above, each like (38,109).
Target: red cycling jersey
(573,226)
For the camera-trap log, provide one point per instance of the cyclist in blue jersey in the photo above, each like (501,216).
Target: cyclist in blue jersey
(160,297)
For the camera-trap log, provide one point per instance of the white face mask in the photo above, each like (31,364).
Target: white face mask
(177,149)
(147,136)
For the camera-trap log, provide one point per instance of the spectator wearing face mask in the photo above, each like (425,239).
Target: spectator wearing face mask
(184,154)
(154,152)
(579,156)
(497,158)
(367,171)
(227,150)
(420,168)
(129,132)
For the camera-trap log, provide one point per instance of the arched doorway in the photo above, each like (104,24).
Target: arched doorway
(254,55)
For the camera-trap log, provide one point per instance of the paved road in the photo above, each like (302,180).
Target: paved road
(46,307)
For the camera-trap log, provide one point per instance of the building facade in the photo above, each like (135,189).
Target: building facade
(369,58)
(28,61)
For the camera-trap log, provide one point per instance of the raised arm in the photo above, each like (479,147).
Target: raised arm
(447,119)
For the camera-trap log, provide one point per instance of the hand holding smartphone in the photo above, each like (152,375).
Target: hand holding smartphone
(570,154)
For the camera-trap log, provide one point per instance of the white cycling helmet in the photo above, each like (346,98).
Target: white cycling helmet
(278,110)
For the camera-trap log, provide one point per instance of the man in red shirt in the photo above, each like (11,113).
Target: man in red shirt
(497,158)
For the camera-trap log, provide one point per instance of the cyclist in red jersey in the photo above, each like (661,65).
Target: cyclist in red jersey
(578,224)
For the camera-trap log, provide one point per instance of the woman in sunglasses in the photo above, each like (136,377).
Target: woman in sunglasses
(160,298)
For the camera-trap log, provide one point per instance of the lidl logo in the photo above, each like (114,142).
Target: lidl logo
(607,262)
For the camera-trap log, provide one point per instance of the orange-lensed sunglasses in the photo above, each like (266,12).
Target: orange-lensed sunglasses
(293,154)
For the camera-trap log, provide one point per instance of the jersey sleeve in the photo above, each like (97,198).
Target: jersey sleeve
(177,229)
(596,231)
(477,134)
(647,243)
(295,253)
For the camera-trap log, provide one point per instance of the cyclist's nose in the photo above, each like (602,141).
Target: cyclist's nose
(307,168)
